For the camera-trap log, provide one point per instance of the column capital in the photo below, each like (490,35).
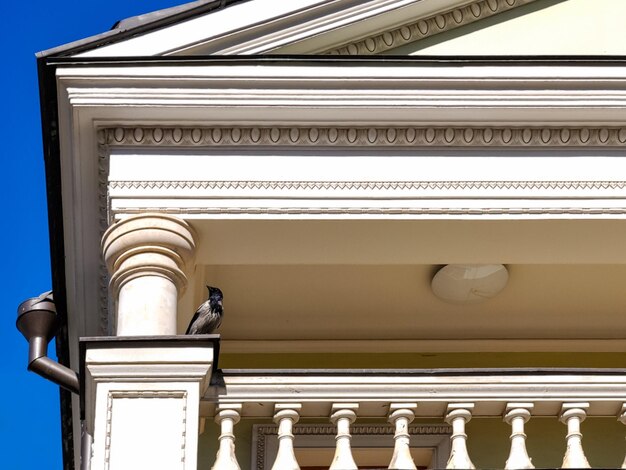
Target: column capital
(518,410)
(140,242)
(287,410)
(573,410)
(344,410)
(459,410)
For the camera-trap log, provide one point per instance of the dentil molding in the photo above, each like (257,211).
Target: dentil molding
(366,136)
(371,185)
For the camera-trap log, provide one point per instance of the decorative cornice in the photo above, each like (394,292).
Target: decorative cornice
(427,26)
(381,211)
(371,185)
(368,136)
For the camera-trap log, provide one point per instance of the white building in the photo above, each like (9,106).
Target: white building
(320,161)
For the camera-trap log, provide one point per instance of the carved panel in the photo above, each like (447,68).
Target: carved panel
(120,422)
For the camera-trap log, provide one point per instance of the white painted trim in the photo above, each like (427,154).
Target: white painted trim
(306,27)
(488,390)
(364,95)
(239,18)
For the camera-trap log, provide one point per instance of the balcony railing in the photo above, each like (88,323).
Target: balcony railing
(399,396)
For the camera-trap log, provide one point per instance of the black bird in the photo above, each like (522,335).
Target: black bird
(208,317)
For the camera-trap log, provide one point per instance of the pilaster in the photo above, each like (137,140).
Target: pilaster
(142,398)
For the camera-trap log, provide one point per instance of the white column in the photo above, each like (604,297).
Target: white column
(286,415)
(401,415)
(622,419)
(142,401)
(227,416)
(343,415)
(458,416)
(573,414)
(147,256)
(517,414)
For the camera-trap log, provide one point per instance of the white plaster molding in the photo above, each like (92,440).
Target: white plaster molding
(364,212)
(369,185)
(368,136)
(308,27)
(420,94)
(424,27)
(490,391)
(492,198)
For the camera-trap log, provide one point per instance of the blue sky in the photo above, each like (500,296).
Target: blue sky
(30,435)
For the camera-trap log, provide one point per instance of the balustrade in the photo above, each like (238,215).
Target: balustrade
(454,398)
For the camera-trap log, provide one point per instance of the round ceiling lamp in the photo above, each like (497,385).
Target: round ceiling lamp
(469,283)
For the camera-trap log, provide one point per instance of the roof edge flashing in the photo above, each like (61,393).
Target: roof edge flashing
(138,25)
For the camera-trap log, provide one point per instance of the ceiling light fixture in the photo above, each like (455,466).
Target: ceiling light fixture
(469,283)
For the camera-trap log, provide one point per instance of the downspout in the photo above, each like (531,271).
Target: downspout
(36,320)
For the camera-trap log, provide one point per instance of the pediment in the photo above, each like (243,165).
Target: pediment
(254,27)
(543,27)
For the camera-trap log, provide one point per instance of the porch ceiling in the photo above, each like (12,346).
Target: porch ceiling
(320,281)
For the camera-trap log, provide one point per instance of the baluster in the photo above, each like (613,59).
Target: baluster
(401,414)
(227,416)
(343,415)
(517,414)
(622,419)
(458,415)
(573,414)
(286,415)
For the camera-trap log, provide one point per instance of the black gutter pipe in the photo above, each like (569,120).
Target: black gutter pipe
(36,319)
